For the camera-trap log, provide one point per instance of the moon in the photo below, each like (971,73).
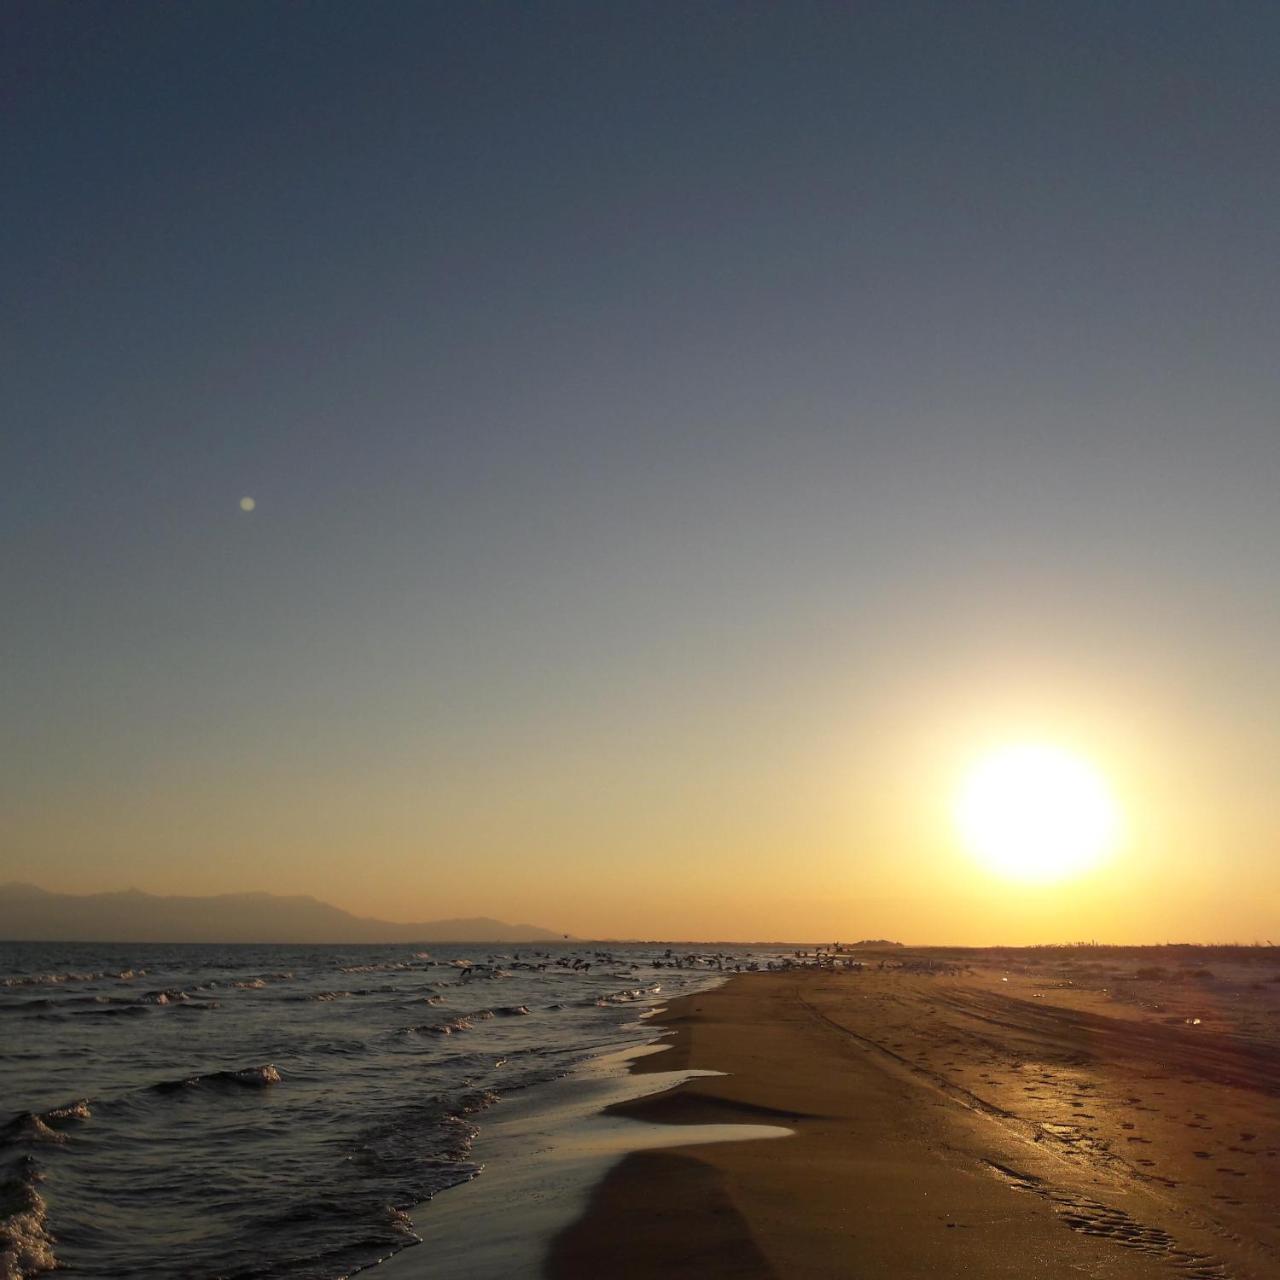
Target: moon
(247,504)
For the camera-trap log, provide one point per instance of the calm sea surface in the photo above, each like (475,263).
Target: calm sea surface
(270,1111)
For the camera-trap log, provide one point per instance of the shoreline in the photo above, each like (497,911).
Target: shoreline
(543,1151)
(975,1123)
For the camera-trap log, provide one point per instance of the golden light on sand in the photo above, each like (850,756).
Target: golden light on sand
(1036,812)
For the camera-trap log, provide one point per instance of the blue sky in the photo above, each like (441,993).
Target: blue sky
(648,407)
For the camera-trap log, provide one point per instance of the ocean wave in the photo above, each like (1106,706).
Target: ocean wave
(244,1078)
(43,1126)
(382,1082)
(404,1158)
(26,1246)
(257,981)
(466,1022)
(78,1110)
(65,1003)
(58,979)
(28,1128)
(475,1101)
(443,1028)
(29,1006)
(626,997)
(163,997)
(473,971)
(345,1048)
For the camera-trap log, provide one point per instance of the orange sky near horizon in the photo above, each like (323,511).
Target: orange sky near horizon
(827,815)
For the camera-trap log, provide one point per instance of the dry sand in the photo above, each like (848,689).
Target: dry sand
(1007,1118)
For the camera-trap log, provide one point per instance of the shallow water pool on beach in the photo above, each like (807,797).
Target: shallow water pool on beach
(272,1111)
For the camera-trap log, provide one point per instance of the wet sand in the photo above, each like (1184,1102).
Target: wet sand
(1002,1119)
(543,1153)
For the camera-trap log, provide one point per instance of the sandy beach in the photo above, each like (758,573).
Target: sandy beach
(996,1114)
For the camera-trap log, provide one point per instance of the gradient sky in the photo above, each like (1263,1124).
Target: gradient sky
(683,436)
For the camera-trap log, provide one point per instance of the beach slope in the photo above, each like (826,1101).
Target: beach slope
(945,1124)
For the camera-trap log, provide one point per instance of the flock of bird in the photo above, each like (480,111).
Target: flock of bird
(500,966)
(835,959)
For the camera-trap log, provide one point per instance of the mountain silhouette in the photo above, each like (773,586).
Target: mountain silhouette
(31,914)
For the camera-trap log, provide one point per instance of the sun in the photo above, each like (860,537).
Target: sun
(1036,812)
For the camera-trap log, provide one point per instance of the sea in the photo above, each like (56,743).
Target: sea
(245,1112)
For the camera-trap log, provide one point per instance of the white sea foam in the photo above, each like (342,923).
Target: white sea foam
(447,1028)
(26,1247)
(78,1110)
(628,997)
(255,1076)
(249,1077)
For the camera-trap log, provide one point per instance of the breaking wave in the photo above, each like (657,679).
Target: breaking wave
(376,1109)
(245,1078)
(58,979)
(43,1126)
(26,1245)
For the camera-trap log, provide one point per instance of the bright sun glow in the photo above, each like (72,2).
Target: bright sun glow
(1036,812)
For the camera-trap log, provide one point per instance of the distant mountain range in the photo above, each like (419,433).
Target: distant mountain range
(30,914)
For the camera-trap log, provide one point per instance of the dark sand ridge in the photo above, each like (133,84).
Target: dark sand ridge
(985,1123)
